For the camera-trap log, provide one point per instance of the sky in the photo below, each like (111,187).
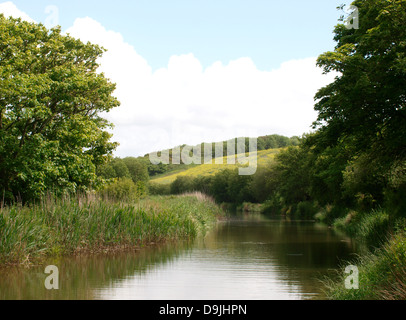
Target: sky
(192,71)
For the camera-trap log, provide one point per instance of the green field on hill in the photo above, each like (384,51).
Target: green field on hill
(264,156)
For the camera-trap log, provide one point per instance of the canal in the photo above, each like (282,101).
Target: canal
(249,257)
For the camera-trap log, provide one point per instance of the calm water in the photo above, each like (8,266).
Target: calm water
(248,258)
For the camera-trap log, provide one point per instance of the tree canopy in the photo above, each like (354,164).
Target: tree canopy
(51,133)
(365,105)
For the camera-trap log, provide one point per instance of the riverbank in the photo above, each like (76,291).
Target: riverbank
(381,270)
(91,224)
(381,266)
(382,274)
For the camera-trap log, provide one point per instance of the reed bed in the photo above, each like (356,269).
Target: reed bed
(93,224)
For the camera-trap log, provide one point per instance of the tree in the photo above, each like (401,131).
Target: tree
(219,186)
(293,174)
(138,168)
(182,184)
(51,95)
(366,102)
(264,182)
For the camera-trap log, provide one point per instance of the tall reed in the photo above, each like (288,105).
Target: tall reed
(88,223)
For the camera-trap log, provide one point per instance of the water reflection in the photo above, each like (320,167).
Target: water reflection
(246,258)
(80,276)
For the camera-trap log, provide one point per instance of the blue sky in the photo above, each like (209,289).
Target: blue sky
(269,32)
(192,71)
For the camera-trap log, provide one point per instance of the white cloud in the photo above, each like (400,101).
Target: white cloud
(9,9)
(186,103)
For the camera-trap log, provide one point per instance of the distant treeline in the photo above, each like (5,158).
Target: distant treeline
(129,176)
(263,143)
(305,180)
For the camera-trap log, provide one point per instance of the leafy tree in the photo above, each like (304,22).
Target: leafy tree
(121,189)
(51,95)
(239,188)
(181,185)
(230,187)
(138,168)
(294,174)
(327,167)
(203,184)
(120,168)
(364,181)
(366,102)
(155,169)
(106,171)
(265,182)
(219,187)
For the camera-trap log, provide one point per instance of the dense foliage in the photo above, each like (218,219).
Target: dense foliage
(125,178)
(51,95)
(365,105)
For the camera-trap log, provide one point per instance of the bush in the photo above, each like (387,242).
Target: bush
(306,209)
(182,184)
(349,223)
(202,184)
(121,189)
(329,214)
(157,189)
(272,206)
(249,207)
(395,200)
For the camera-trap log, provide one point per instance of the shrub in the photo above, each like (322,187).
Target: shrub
(272,206)
(121,189)
(249,207)
(349,223)
(306,209)
(157,189)
(329,214)
(181,185)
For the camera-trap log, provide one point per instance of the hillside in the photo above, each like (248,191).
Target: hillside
(264,156)
(264,143)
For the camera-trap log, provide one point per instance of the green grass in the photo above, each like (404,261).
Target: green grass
(90,224)
(382,268)
(382,274)
(372,228)
(263,157)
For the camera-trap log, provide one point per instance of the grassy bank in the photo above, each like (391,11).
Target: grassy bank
(382,274)
(90,224)
(382,269)
(382,263)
